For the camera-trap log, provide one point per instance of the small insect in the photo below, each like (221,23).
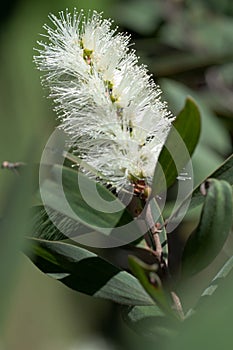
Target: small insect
(12,166)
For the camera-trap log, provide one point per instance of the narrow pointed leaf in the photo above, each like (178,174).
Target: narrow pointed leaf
(223,273)
(149,279)
(224,172)
(43,228)
(82,200)
(205,243)
(87,273)
(179,147)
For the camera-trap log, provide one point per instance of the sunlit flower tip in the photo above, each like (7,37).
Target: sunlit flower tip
(107,103)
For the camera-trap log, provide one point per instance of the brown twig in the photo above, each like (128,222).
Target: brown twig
(154,230)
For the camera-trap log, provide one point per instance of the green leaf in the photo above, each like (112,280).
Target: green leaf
(43,228)
(151,282)
(138,313)
(214,139)
(205,243)
(148,321)
(78,162)
(224,172)
(188,124)
(87,273)
(81,200)
(223,273)
(179,147)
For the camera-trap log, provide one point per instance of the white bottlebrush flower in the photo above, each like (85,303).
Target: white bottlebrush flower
(105,100)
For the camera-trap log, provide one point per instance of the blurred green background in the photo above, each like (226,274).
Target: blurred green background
(188,46)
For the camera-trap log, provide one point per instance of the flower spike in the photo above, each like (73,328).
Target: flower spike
(106,102)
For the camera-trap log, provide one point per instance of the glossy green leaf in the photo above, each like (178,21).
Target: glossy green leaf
(87,273)
(151,282)
(205,243)
(81,200)
(188,124)
(180,145)
(224,172)
(43,228)
(214,140)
